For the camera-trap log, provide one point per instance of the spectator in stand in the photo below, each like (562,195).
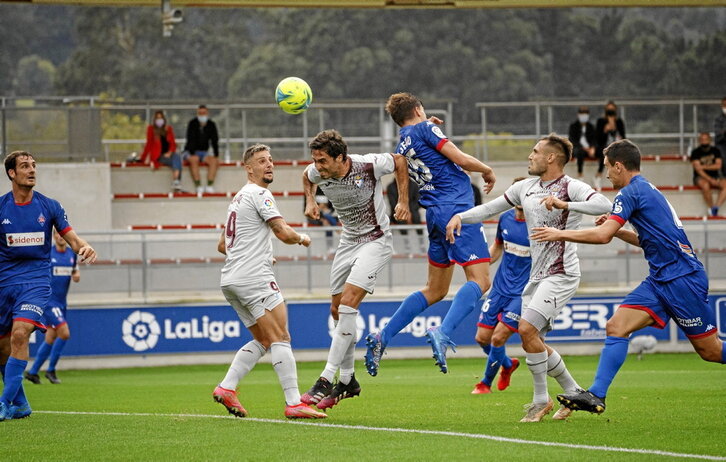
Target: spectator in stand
(582,137)
(201,133)
(160,148)
(414,207)
(707,163)
(607,130)
(719,131)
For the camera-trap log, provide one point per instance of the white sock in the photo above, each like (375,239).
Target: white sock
(343,336)
(557,369)
(243,362)
(347,367)
(284,364)
(537,364)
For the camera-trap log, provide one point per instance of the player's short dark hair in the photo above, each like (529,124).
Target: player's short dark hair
(626,152)
(202,106)
(11,160)
(583,110)
(401,106)
(561,145)
(331,143)
(252,150)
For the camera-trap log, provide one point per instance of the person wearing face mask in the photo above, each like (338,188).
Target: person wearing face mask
(160,148)
(719,132)
(201,133)
(707,163)
(608,129)
(582,137)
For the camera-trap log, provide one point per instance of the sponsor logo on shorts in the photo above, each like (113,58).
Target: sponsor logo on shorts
(25,239)
(692,322)
(513,316)
(473,257)
(33,308)
(7,222)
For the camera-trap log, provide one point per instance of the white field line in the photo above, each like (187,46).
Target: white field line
(405,430)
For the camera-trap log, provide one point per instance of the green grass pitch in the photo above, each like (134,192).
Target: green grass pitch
(665,402)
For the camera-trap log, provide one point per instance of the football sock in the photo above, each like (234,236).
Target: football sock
(463,303)
(283,362)
(13,379)
(493,364)
(557,369)
(487,348)
(55,353)
(537,364)
(611,359)
(347,367)
(504,359)
(210,182)
(40,356)
(197,183)
(2,371)
(343,335)
(412,306)
(242,364)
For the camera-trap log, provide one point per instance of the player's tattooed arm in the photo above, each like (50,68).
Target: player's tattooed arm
(286,234)
(312,210)
(221,247)
(401,211)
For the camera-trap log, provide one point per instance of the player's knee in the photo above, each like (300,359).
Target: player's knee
(711,354)
(482,338)
(434,295)
(615,328)
(499,339)
(64,335)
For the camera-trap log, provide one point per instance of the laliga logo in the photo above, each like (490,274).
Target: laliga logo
(360,326)
(140,331)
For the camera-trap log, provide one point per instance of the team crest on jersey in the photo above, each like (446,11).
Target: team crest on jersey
(41,219)
(358,180)
(437,131)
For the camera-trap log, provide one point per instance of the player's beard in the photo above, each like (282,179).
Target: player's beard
(267,180)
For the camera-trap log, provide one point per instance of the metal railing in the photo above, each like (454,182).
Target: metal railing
(505,131)
(147,264)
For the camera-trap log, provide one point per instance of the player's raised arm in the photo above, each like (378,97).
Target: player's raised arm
(312,210)
(86,253)
(286,234)
(401,211)
(476,215)
(470,163)
(599,235)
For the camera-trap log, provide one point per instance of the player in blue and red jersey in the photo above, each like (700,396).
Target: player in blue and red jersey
(26,222)
(64,268)
(438,167)
(676,288)
(500,314)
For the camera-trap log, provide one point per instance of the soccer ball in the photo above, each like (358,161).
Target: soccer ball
(293,95)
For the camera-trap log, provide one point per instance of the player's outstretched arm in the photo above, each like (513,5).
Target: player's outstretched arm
(401,211)
(599,235)
(286,234)
(470,163)
(85,252)
(312,210)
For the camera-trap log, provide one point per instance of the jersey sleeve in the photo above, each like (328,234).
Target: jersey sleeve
(433,136)
(624,205)
(513,193)
(579,191)
(60,218)
(266,205)
(383,164)
(313,175)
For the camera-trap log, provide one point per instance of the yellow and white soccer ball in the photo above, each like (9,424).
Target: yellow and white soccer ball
(293,95)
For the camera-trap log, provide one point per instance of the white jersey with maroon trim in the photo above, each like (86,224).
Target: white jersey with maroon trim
(556,257)
(248,237)
(358,197)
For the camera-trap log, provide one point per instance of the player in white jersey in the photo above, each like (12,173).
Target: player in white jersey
(352,183)
(248,283)
(552,199)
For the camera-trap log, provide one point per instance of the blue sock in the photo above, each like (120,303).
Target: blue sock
(13,379)
(2,371)
(464,301)
(40,356)
(55,353)
(504,359)
(612,358)
(412,306)
(493,364)
(487,348)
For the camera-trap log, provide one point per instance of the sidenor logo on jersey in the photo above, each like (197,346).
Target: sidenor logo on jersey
(25,239)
